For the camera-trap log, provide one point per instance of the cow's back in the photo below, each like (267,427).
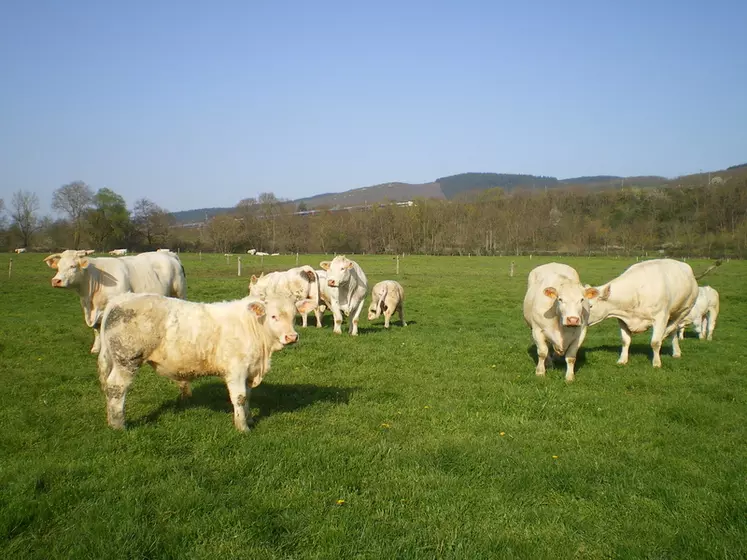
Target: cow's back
(656,286)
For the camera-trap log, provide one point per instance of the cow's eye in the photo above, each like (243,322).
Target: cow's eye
(274,317)
(560,299)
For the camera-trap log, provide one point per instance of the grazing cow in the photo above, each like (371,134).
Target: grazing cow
(164,251)
(350,295)
(99,279)
(20,250)
(118,252)
(387,297)
(183,340)
(658,293)
(87,252)
(261,254)
(251,251)
(703,315)
(556,308)
(275,255)
(300,284)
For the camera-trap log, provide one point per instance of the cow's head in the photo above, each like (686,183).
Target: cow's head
(70,266)
(571,302)
(338,270)
(277,315)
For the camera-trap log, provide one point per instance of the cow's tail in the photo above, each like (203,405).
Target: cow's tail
(379,304)
(709,269)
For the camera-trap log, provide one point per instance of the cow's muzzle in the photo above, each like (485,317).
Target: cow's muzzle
(331,283)
(290,338)
(572,321)
(56,283)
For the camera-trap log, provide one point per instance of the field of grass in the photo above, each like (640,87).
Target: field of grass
(431,441)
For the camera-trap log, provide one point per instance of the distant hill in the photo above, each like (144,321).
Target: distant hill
(465,186)
(199,214)
(394,192)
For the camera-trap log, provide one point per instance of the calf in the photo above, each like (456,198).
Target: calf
(350,295)
(326,293)
(387,297)
(658,293)
(300,284)
(556,308)
(703,315)
(183,340)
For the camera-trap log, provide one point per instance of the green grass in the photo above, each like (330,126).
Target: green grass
(438,437)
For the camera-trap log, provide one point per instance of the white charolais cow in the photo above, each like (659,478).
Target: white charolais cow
(118,252)
(556,308)
(326,295)
(300,284)
(184,340)
(20,250)
(658,293)
(703,315)
(387,297)
(350,295)
(98,279)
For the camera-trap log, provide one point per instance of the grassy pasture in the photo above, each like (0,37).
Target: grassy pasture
(438,437)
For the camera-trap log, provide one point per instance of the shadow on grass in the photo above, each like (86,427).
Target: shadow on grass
(269,398)
(640,349)
(328,321)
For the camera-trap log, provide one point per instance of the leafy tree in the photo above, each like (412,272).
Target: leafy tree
(224,232)
(109,220)
(73,199)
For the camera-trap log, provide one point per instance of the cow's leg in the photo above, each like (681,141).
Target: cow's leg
(657,336)
(676,350)
(402,314)
(542,350)
(337,313)
(304,319)
(712,316)
(96,348)
(681,332)
(570,359)
(703,328)
(318,314)
(626,338)
(239,392)
(387,316)
(185,390)
(117,383)
(354,318)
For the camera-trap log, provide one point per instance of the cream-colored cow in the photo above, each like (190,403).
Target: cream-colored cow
(387,297)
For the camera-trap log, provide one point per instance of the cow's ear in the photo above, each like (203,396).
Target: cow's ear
(52,260)
(591,293)
(83,263)
(349,265)
(324,265)
(550,292)
(309,275)
(606,293)
(253,280)
(258,308)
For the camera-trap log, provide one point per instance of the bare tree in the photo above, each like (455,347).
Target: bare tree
(73,199)
(24,207)
(2,213)
(224,232)
(151,221)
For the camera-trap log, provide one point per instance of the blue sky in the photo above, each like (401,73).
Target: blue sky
(196,104)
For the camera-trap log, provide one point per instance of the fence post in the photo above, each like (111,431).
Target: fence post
(296,259)
(238,263)
(227,258)
(511,274)
(397,265)
(10,268)
(200,255)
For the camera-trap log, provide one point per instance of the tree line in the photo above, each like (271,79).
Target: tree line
(697,220)
(92,219)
